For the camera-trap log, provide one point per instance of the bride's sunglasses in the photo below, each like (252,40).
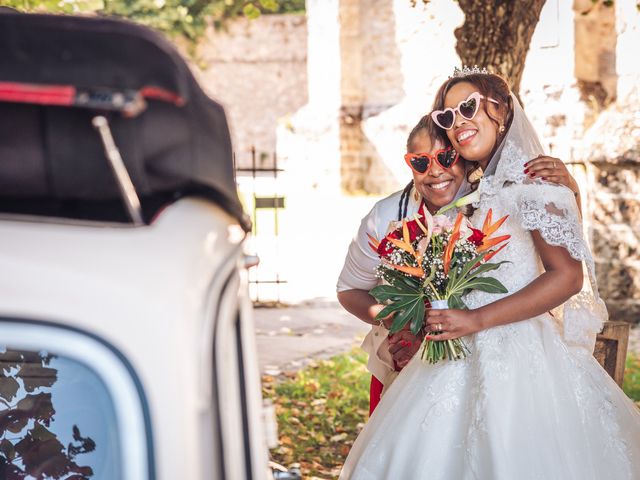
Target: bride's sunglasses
(420,162)
(466,108)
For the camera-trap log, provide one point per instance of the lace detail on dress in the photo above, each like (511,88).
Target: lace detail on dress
(582,318)
(556,226)
(551,210)
(591,393)
(510,169)
(444,401)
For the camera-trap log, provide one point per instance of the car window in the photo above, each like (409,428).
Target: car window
(72,407)
(57,419)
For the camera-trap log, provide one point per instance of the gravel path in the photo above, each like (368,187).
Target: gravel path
(289,338)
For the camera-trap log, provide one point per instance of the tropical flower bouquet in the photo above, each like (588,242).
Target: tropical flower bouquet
(428,261)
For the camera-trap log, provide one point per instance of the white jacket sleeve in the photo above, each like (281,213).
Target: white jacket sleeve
(360,263)
(358,273)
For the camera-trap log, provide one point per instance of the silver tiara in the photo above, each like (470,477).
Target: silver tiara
(467,71)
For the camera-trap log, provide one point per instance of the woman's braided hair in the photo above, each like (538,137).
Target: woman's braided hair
(489,85)
(425,126)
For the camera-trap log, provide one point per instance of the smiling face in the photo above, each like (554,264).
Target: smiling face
(437,186)
(474,139)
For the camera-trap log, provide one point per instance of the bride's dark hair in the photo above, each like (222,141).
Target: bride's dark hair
(425,126)
(489,85)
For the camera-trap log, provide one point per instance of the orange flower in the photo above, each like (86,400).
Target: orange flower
(373,243)
(490,255)
(405,243)
(455,236)
(413,271)
(489,228)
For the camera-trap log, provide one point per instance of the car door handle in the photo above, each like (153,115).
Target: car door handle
(250,261)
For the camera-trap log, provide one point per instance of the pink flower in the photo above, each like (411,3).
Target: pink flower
(441,223)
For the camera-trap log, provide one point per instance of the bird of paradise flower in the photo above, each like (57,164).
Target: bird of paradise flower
(412,282)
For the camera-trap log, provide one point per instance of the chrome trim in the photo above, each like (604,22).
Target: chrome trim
(128,191)
(250,261)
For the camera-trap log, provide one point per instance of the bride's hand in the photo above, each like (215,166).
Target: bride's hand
(452,323)
(553,170)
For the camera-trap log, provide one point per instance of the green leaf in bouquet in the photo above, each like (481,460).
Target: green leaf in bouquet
(414,312)
(399,279)
(455,301)
(397,306)
(471,271)
(486,284)
(460,287)
(393,292)
(471,263)
(453,271)
(383,292)
(486,267)
(417,321)
(410,282)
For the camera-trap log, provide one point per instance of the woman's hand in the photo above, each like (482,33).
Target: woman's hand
(553,170)
(452,323)
(403,345)
(388,320)
(361,304)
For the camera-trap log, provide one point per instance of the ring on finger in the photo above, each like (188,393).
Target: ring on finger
(439,327)
(553,164)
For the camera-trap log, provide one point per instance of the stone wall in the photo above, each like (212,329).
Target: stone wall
(258,70)
(612,156)
(595,58)
(610,151)
(394,57)
(369,70)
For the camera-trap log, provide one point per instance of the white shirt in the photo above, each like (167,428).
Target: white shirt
(358,273)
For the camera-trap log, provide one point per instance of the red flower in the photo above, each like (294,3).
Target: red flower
(414,230)
(397,234)
(476,237)
(385,247)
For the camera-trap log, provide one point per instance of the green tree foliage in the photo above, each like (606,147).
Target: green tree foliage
(177,18)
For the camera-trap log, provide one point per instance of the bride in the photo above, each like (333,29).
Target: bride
(530,401)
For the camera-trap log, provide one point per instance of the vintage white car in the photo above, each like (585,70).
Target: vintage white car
(126,339)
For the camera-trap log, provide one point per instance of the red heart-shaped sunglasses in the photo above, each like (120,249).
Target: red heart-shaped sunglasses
(420,162)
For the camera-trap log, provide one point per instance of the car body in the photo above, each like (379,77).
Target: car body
(160,315)
(127,344)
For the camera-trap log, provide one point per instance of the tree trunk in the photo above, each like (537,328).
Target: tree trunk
(496,34)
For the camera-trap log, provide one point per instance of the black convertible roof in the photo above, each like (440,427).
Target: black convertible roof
(59,72)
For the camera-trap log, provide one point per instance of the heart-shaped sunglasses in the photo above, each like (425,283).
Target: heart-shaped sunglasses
(466,108)
(420,162)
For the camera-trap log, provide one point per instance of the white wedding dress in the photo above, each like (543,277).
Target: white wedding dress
(530,401)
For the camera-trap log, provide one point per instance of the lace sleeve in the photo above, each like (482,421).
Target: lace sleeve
(552,211)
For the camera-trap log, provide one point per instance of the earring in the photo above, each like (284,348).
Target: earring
(416,195)
(501,129)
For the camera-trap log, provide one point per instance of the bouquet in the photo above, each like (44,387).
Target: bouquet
(428,261)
